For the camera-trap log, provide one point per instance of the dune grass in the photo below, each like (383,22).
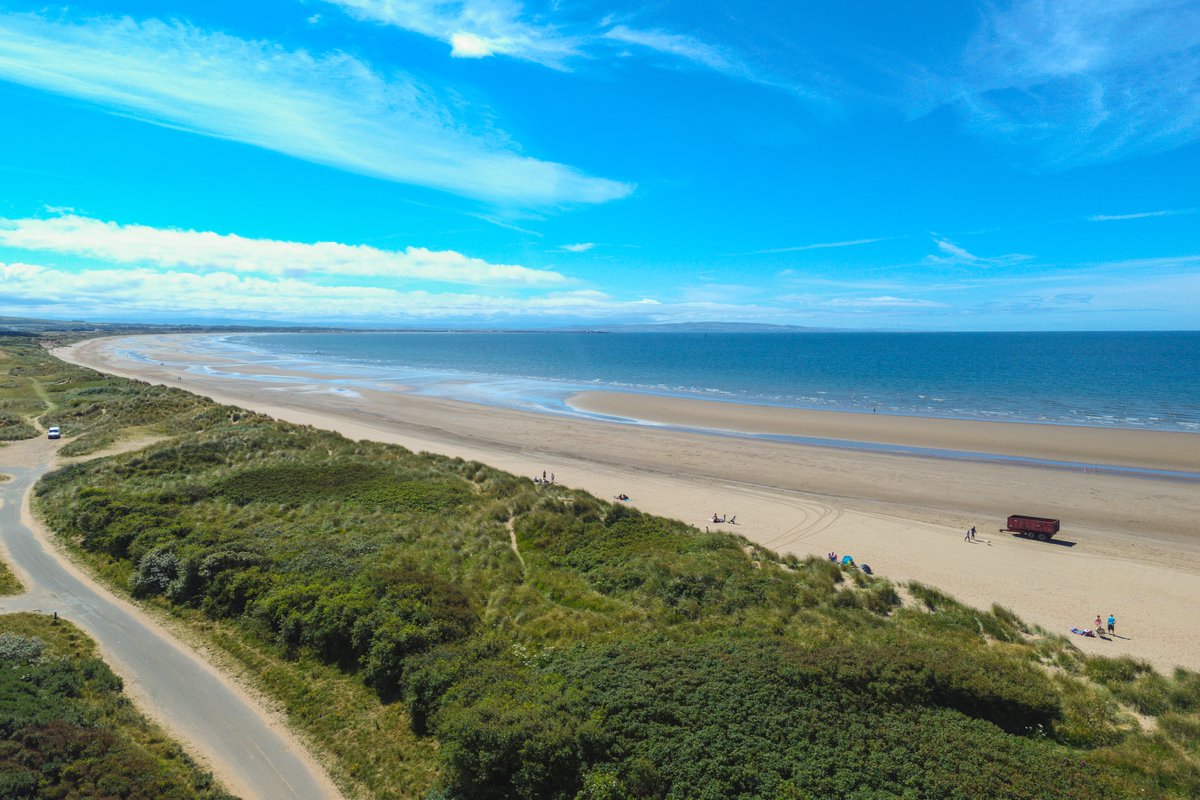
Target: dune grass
(8,582)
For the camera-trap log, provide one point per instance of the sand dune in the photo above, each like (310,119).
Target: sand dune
(1129,544)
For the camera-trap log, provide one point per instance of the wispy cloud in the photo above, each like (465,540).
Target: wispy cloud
(473,28)
(1076,82)
(1140,215)
(882,302)
(483,28)
(581,247)
(331,109)
(721,60)
(817,246)
(951,254)
(114,243)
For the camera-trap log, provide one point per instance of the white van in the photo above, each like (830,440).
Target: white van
(53,432)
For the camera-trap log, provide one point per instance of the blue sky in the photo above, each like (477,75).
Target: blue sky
(964,166)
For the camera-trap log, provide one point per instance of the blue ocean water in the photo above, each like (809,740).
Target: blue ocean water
(1132,380)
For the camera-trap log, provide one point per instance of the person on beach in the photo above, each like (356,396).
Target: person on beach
(972,533)
(967,535)
(1112,625)
(1099,625)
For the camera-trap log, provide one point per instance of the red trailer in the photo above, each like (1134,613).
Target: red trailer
(1041,528)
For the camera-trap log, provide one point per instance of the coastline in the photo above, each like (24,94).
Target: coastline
(1129,544)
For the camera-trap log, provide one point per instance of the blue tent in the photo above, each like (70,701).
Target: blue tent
(847,559)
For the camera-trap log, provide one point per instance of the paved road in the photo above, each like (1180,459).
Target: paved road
(172,684)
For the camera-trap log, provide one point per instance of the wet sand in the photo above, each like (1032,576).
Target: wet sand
(1144,449)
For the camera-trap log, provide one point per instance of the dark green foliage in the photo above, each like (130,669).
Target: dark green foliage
(509,732)
(65,730)
(717,719)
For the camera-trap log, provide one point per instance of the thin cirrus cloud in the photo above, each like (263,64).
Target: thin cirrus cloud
(331,109)
(1077,82)
(483,28)
(1171,212)
(716,59)
(953,255)
(579,247)
(111,242)
(818,246)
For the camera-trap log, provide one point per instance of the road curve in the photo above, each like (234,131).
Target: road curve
(251,755)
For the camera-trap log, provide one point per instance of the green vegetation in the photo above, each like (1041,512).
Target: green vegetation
(8,582)
(67,731)
(378,594)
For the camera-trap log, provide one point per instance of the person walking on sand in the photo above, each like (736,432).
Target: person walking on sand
(1112,625)
(972,533)
(967,535)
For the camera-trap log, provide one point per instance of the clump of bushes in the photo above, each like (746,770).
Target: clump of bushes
(66,730)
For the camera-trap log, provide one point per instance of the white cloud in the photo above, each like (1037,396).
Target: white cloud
(483,28)
(955,255)
(581,247)
(678,45)
(473,28)
(818,246)
(172,248)
(1139,215)
(883,301)
(115,293)
(331,108)
(1074,81)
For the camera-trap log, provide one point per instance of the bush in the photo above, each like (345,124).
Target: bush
(17,649)
(155,573)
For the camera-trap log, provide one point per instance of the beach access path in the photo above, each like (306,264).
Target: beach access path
(247,748)
(1129,544)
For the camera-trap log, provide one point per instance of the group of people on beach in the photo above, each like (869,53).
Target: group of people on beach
(848,561)
(970,537)
(544,479)
(1099,628)
(720,519)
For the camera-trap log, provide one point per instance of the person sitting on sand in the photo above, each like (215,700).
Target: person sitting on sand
(733,520)
(1099,626)
(716,519)
(833,556)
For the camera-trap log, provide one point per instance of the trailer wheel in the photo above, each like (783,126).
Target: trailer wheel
(1042,537)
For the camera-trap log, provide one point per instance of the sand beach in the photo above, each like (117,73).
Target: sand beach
(1130,543)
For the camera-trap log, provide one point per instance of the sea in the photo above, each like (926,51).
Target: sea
(1143,380)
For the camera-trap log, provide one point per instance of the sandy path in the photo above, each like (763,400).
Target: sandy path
(249,749)
(1129,545)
